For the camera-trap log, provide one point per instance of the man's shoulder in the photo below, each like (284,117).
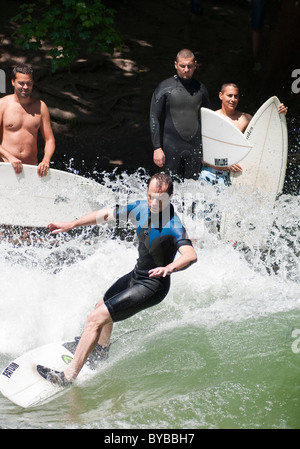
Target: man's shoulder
(247,116)
(168,82)
(137,207)
(165,87)
(42,104)
(6,99)
(5,103)
(175,230)
(244,117)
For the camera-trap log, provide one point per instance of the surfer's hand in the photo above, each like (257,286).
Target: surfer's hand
(55,228)
(160,272)
(282,109)
(235,168)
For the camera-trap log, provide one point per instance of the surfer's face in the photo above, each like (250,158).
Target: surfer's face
(230,97)
(185,67)
(157,197)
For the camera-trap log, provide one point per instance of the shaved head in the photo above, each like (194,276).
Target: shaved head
(185,54)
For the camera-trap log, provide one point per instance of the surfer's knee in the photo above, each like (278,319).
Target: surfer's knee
(98,317)
(99,303)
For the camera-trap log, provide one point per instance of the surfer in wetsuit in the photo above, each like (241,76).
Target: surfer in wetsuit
(229,96)
(175,126)
(160,235)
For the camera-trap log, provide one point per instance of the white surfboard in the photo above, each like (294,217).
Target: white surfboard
(261,180)
(222,143)
(28,200)
(24,386)
(265,166)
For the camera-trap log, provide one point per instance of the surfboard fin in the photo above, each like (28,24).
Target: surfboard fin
(55,377)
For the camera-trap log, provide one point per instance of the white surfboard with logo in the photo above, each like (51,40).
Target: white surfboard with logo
(249,215)
(20,381)
(223,144)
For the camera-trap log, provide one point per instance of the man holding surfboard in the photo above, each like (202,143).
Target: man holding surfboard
(21,117)
(160,235)
(229,96)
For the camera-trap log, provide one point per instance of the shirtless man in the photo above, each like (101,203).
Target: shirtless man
(229,95)
(21,117)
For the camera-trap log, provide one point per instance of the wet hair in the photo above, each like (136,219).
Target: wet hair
(162,178)
(223,87)
(22,68)
(185,53)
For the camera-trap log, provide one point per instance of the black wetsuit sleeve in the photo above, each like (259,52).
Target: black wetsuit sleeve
(180,234)
(205,98)
(184,242)
(157,113)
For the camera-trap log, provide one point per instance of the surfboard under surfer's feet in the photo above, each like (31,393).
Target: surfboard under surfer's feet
(99,354)
(55,377)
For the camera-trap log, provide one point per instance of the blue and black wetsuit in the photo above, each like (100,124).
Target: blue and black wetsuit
(159,237)
(175,124)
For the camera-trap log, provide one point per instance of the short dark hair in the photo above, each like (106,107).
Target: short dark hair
(223,87)
(163,178)
(22,68)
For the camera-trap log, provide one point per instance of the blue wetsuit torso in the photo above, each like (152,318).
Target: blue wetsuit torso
(175,124)
(159,237)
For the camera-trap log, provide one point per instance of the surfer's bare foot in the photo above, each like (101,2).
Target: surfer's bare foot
(55,377)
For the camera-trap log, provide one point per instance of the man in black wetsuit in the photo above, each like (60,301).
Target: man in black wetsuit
(175,125)
(160,234)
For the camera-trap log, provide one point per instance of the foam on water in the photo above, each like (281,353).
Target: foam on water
(48,289)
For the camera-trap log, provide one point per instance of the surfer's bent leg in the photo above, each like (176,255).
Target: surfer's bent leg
(97,329)
(88,341)
(128,296)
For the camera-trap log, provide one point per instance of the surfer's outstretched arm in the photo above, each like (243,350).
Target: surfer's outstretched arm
(93,218)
